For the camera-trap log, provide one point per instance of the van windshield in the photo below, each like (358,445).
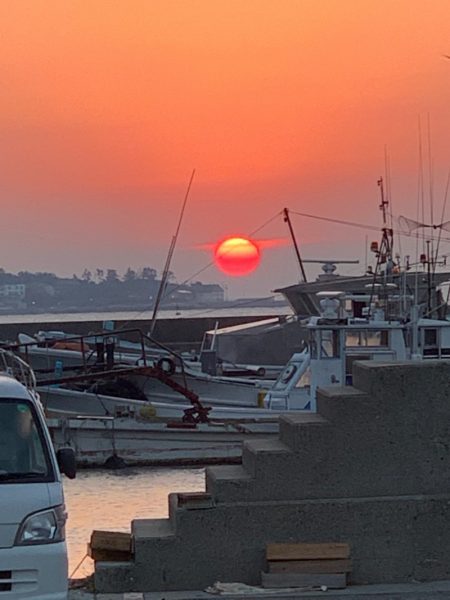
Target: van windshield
(24,456)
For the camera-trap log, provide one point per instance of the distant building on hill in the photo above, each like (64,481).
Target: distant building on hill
(12,290)
(207,293)
(12,295)
(196,294)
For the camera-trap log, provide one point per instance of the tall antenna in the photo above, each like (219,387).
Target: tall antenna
(431,186)
(386,245)
(384,202)
(384,252)
(165,274)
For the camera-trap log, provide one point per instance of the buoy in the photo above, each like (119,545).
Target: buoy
(147,412)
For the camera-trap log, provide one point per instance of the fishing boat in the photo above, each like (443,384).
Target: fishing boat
(391,329)
(116,431)
(116,442)
(382,325)
(69,356)
(125,389)
(274,340)
(423,280)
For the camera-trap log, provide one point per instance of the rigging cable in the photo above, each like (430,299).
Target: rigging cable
(360,225)
(442,218)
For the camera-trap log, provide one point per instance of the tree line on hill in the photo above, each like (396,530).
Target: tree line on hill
(100,289)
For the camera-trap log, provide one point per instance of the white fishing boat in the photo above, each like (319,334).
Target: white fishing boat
(252,402)
(121,430)
(117,431)
(118,442)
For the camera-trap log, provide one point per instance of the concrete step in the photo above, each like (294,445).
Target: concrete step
(256,454)
(180,503)
(228,483)
(298,430)
(150,536)
(344,405)
(151,528)
(114,576)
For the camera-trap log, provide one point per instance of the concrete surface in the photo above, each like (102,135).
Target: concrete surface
(372,469)
(436,590)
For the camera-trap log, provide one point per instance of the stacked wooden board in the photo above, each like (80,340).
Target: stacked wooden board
(307,565)
(110,546)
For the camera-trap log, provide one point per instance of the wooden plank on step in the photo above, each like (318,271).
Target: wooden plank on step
(338,565)
(111,540)
(307,580)
(307,551)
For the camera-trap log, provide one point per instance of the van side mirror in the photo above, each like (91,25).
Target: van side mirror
(66,462)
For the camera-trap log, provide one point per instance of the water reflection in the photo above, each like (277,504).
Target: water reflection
(109,500)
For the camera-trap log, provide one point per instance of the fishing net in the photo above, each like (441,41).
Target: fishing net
(409,225)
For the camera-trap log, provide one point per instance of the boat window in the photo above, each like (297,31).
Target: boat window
(366,338)
(24,456)
(430,337)
(407,338)
(329,343)
(378,338)
(348,306)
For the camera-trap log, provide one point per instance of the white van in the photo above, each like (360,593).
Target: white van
(33,553)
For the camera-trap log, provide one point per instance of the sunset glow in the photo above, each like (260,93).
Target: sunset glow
(107,107)
(237,256)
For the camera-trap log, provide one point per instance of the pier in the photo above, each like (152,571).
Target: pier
(370,470)
(436,590)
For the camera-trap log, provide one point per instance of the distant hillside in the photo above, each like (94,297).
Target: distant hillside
(102,290)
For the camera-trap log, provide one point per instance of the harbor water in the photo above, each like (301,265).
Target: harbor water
(110,500)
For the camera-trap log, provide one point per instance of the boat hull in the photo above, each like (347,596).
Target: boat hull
(125,442)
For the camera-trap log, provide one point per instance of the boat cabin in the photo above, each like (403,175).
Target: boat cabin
(338,338)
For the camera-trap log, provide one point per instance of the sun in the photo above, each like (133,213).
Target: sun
(237,256)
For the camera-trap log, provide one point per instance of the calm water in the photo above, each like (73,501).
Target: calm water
(109,500)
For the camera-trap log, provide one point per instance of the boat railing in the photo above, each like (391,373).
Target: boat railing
(13,365)
(105,343)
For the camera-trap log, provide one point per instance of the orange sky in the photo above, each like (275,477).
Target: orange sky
(107,106)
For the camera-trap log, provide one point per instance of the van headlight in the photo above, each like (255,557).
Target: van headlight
(45,527)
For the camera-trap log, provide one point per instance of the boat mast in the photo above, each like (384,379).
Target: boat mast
(384,252)
(294,241)
(165,274)
(388,234)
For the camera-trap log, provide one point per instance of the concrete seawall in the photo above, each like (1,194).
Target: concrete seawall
(177,331)
(371,469)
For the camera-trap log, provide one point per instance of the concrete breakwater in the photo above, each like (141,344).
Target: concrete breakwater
(185,329)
